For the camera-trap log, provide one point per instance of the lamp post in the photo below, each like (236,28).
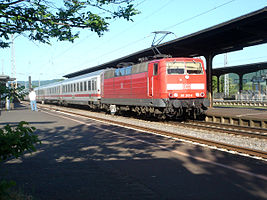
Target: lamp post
(39,79)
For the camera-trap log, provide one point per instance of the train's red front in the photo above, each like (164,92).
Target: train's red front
(171,87)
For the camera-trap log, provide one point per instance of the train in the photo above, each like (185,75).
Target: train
(162,88)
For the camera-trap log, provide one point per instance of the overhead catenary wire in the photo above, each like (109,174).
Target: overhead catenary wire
(198,15)
(115,50)
(186,20)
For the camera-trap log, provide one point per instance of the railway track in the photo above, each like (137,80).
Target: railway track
(191,124)
(226,128)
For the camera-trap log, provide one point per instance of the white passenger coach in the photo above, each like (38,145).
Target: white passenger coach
(84,89)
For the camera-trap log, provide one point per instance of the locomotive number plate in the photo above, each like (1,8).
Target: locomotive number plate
(186,95)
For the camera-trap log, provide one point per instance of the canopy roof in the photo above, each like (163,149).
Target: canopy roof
(240,69)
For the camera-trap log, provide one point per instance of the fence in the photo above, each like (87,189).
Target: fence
(245,98)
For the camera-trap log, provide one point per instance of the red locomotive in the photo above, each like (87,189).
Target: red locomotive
(173,87)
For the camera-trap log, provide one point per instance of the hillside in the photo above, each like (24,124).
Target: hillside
(36,83)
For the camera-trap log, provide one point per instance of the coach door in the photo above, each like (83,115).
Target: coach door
(152,72)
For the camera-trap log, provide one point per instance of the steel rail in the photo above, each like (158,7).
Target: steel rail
(226,128)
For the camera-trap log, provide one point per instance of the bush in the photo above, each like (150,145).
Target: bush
(14,141)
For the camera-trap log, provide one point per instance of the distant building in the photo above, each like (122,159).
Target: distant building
(5,79)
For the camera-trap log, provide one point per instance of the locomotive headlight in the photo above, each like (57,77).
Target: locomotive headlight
(197,94)
(202,94)
(175,95)
(170,95)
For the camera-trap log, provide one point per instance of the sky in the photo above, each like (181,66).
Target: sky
(46,62)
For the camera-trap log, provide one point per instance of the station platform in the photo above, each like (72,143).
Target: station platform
(252,117)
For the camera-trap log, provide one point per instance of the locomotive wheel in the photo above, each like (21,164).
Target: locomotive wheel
(194,114)
(170,112)
(162,117)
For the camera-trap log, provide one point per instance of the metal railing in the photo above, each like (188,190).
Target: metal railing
(245,98)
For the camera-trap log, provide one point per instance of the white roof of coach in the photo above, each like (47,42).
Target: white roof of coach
(85,76)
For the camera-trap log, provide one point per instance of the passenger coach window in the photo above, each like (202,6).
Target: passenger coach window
(77,84)
(84,86)
(89,86)
(155,70)
(93,85)
(81,86)
(175,67)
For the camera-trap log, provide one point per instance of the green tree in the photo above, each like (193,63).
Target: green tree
(42,20)
(11,92)
(214,83)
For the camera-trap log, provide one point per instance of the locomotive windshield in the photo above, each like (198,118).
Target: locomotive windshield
(175,67)
(184,68)
(194,68)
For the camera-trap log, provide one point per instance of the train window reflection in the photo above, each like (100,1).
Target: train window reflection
(175,67)
(84,86)
(77,87)
(194,68)
(128,70)
(122,71)
(117,72)
(89,86)
(81,86)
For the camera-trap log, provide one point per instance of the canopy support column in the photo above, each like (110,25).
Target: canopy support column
(209,57)
(240,82)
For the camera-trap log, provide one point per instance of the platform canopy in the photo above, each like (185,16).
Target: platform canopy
(4,78)
(236,34)
(240,69)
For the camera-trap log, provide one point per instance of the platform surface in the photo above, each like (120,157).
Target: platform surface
(247,113)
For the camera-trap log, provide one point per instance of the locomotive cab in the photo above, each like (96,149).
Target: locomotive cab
(185,79)
(181,82)
(173,87)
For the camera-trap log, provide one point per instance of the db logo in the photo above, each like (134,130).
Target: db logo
(187,86)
